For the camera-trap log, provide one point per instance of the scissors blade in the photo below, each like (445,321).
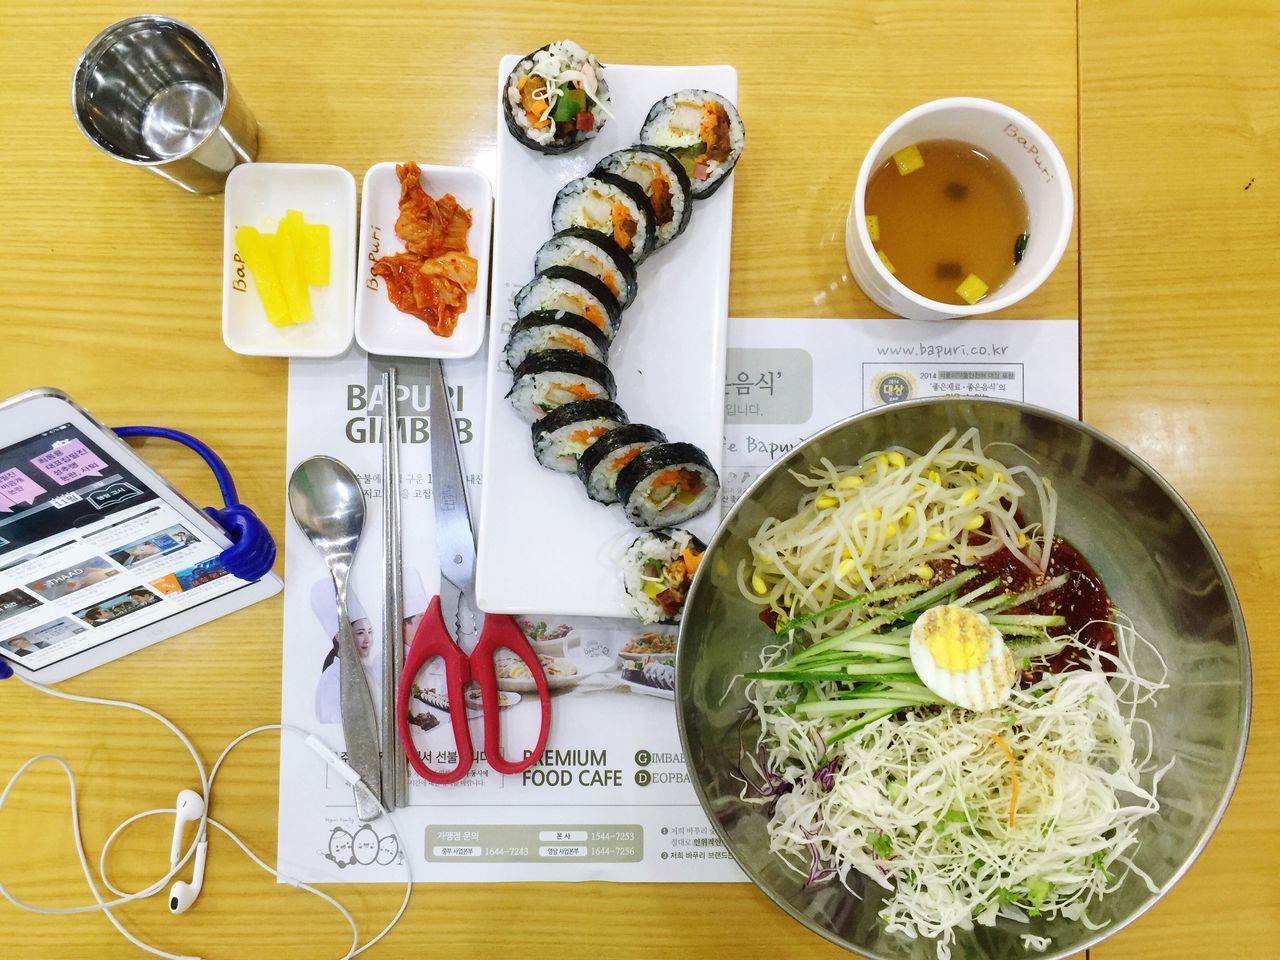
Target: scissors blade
(454,538)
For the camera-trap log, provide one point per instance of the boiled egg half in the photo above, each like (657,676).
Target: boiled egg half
(962,658)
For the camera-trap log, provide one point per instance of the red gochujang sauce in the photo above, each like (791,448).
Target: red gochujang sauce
(1082,600)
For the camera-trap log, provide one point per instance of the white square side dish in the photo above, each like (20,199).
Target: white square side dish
(380,327)
(258,195)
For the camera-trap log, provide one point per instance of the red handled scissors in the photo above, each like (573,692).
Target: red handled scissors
(453,613)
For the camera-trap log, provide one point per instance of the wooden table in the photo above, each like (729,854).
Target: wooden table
(1168,113)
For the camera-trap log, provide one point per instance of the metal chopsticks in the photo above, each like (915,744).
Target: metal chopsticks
(395,766)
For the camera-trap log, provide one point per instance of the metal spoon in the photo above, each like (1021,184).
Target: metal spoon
(328,505)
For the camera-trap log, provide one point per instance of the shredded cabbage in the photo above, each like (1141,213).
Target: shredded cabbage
(919,802)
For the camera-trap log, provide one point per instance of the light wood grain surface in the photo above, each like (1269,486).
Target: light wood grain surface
(1180,149)
(110,285)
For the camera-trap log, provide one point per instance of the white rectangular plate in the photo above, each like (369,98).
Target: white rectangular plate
(544,547)
(380,327)
(258,195)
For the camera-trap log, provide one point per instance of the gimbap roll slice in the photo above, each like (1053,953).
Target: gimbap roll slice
(663,180)
(555,330)
(593,253)
(555,99)
(704,132)
(547,381)
(608,204)
(573,291)
(657,571)
(599,467)
(561,437)
(667,484)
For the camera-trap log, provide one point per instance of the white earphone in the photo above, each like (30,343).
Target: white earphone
(190,806)
(187,808)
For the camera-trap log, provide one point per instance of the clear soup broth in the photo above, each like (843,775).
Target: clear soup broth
(949,221)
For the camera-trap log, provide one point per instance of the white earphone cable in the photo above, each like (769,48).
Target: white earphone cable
(207,783)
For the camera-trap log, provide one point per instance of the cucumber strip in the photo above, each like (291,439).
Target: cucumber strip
(973,595)
(852,728)
(786,626)
(924,698)
(1026,620)
(882,649)
(799,676)
(835,708)
(873,669)
(875,596)
(1013,633)
(1044,647)
(1017,600)
(893,678)
(941,590)
(833,642)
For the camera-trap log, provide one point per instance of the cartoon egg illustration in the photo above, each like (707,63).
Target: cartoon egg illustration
(388,850)
(365,845)
(340,847)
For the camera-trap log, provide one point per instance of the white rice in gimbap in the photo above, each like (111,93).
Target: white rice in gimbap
(555,99)
(664,181)
(573,291)
(667,484)
(704,132)
(555,330)
(610,205)
(657,571)
(562,436)
(549,380)
(593,253)
(599,467)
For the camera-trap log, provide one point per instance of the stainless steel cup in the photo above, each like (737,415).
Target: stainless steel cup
(152,92)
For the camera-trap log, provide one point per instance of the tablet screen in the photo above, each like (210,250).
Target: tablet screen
(89,552)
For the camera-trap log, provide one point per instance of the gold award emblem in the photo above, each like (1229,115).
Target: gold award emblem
(892,387)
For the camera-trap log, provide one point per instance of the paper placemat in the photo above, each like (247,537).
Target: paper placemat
(610,799)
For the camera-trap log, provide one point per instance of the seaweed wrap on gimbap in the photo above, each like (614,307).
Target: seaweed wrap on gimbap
(599,467)
(702,130)
(573,291)
(562,436)
(657,571)
(608,204)
(546,381)
(664,182)
(554,100)
(594,253)
(555,330)
(667,484)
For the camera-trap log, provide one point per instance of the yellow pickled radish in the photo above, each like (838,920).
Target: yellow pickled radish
(316,253)
(873,227)
(295,286)
(255,251)
(884,258)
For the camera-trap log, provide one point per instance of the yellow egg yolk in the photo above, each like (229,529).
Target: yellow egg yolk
(957,639)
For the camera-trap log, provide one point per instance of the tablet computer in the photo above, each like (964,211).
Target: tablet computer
(99,555)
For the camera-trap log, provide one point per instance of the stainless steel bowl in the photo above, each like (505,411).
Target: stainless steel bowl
(1160,568)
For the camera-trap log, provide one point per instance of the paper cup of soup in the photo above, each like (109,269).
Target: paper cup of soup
(963,207)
